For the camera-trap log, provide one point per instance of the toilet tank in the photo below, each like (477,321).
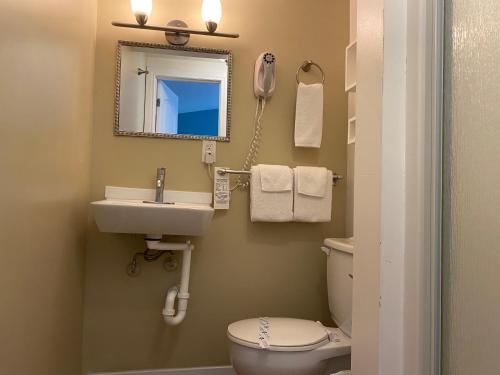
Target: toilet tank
(340,278)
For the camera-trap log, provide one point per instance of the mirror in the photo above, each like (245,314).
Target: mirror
(173,92)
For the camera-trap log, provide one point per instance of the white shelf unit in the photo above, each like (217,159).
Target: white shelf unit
(350,67)
(351,130)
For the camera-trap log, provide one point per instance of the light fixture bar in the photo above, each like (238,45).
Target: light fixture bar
(173,29)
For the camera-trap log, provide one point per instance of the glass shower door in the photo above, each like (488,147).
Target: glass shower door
(471,200)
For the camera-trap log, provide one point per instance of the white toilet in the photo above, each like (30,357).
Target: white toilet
(285,346)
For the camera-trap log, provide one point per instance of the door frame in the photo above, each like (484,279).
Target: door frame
(410,263)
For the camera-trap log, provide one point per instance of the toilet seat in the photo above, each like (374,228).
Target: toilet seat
(283,334)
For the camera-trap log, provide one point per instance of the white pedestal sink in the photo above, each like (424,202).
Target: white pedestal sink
(124,211)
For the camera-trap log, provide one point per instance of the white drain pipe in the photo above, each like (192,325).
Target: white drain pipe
(182,293)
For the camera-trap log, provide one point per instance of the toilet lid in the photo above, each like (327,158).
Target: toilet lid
(284,334)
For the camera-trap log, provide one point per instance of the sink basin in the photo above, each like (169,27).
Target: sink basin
(124,211)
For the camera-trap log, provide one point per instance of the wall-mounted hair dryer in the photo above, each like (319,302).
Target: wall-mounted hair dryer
(264,84)
(265,75)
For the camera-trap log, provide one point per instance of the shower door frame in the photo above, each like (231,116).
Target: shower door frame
(410,263)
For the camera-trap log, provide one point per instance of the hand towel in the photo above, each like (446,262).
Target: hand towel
(313,209)
(312,181)
(276,178)
(269,206)
(309,115)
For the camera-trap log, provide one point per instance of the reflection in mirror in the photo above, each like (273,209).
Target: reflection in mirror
(187,107)
(173,92)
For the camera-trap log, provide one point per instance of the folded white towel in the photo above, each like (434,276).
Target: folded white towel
(276,178)
(313,209)
(269,206)
(309,115)
(312,181)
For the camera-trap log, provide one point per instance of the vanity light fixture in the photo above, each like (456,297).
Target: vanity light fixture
(178,32)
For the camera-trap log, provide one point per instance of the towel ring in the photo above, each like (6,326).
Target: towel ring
(306,67)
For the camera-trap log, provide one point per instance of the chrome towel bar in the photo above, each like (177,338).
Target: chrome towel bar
(336,177)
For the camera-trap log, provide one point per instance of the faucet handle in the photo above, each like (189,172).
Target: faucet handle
(160,184)
(160,175)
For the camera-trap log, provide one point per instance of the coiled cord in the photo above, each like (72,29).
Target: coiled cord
(254,147)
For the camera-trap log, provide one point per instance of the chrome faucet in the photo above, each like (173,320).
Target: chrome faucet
(160,184)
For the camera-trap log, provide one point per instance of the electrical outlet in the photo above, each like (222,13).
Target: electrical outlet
(208,152)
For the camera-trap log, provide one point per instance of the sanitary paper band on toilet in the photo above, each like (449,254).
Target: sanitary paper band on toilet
(263,333)
(333,335)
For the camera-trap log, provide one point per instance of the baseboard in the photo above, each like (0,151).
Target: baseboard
(226,370)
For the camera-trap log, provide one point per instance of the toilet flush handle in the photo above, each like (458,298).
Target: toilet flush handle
(326,250)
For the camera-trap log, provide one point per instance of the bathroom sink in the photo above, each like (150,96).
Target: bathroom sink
(124,211)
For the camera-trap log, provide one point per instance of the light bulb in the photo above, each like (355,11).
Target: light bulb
(142,10)
(211,12)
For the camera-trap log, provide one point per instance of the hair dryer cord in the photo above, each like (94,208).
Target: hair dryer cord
(254,147)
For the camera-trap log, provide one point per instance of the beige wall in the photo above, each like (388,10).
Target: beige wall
(46,60)
(471,260)
(240,269)
(365,352)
